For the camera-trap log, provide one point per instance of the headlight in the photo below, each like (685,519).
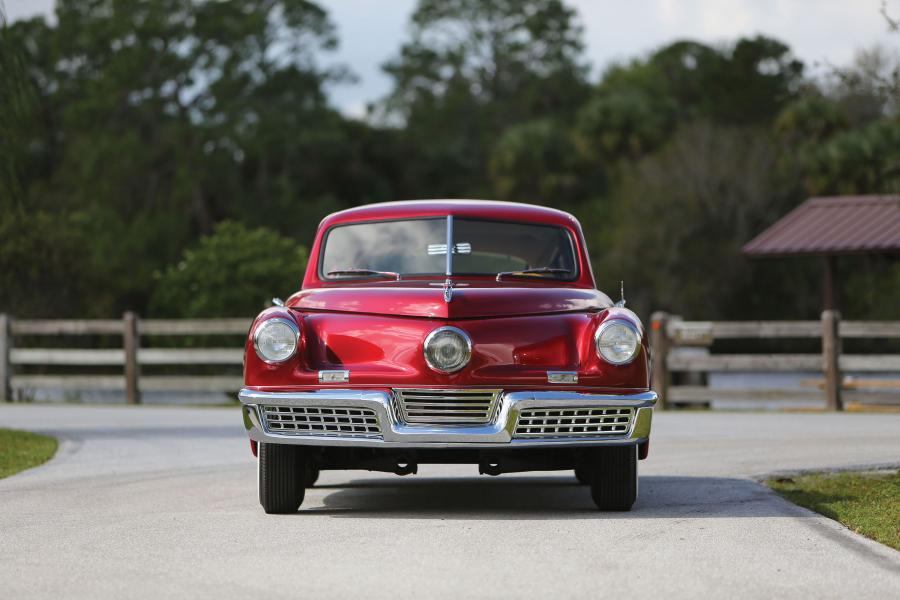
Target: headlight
(618,341)
(275,340)
(447,349)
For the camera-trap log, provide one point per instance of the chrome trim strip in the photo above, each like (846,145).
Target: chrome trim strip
(449,249)
(334,376)
(562,377)
(491,435)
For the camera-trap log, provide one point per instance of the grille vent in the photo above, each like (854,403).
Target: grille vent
(447,407)
(573,422)
(311,420)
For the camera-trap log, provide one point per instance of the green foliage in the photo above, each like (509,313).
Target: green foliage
(624,124)
(473,69)
(871,284)
(681,218)
(151,121)
(863,160)
(810,119)
(128,128)
(524,57)
(745,83)
(15,108)
(538,162)
(235,271)
(44,270)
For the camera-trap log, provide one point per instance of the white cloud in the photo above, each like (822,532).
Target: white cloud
(24,9)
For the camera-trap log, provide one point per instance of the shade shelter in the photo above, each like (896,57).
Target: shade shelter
(830,227)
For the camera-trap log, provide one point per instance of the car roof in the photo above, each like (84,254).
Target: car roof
(485,209)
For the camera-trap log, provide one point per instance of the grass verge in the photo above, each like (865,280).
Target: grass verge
(868,503)
(20,450)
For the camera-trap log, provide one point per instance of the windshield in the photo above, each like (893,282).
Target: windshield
(419,247)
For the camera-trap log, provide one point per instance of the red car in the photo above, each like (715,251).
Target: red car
(448,331)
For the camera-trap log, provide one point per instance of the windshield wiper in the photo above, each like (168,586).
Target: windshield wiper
(531,272)
(363,273)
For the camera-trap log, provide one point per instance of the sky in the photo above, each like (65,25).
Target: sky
(820,32)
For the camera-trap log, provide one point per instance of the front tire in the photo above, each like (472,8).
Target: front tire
(583,475)
(614,479)
(312,474)
(282,475)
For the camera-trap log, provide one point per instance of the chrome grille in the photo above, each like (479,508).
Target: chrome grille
(319,420)
(447,407)
(569,422)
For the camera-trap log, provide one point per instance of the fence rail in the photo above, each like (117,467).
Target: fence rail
(672,335)
(130,356)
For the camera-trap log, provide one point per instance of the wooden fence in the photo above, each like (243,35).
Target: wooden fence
(670,336)
(130,357)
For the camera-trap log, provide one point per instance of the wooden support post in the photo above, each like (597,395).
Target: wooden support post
(659,349)
(130,343)
(831,359)
(5,366)
(829,285)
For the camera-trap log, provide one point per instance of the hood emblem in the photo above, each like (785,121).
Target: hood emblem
(448,291)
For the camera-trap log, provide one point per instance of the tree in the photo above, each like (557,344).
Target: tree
(16,101)
(758,79)
(177,87)
(538,162)
(681,216)
(44,271)
(474,68)
(233,272)
(154,120)
(811,119)
(524,56)
(859,161)
(624,124)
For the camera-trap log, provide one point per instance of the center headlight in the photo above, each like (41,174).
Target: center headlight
(618,341)
(275,340)
(447,349)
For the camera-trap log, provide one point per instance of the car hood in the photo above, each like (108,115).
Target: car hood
(467,302)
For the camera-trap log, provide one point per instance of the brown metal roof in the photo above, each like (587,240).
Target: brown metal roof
(835,225)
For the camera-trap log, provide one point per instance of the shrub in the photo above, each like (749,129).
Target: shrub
(235,271)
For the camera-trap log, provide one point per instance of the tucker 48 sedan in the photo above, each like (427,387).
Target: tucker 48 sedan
(453,331)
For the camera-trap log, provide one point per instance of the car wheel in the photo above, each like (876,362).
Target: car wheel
(614,483)
(583,475)
(312,474)
(281,470)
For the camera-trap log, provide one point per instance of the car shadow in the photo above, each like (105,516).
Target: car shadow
(558,496)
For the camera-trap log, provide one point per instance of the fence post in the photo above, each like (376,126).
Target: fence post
(5,366)
(659,352)
(130,343)
(831,359)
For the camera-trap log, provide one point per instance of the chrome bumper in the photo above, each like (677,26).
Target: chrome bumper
(395,434)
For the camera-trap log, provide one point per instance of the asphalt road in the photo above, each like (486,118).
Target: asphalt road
(161,502)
